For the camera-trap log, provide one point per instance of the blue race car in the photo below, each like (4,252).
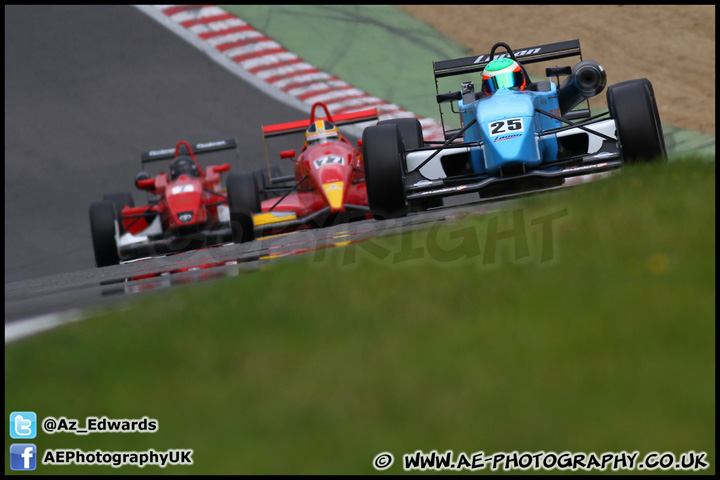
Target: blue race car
(515,135)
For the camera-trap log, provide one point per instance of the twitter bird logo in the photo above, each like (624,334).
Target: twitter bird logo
(23,425)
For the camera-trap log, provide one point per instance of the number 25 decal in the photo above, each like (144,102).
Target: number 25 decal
(511,125)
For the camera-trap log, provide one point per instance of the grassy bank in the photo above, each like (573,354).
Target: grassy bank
(578,321)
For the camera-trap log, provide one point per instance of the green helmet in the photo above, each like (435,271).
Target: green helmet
(502,73)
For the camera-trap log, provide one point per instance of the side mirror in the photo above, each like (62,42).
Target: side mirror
(147,184)
(288,154)
(448,97)
(222,168)
(550,71)
(140,176)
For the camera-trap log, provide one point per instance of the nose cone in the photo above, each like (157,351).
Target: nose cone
(335,194)
(184,202)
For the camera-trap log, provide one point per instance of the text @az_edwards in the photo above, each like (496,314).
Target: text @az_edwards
(53,425)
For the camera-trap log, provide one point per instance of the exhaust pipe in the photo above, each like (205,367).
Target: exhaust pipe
(586,80)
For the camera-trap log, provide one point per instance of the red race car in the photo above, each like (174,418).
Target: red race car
(186,209)
(328,185)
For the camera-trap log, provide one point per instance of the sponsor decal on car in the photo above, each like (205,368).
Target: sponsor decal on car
(328,160)
(445,190)
(182,189)
(508,137)
(584,167)
(211,144)
(156,153)
(511,125)
(519,53)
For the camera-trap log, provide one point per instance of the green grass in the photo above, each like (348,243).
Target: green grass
(595,336)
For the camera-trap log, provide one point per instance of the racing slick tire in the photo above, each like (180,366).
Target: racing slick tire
(410,129)
(384,155)
(637,121)
(412,134)
(102,228)
(262,180)
(120,200)
(243,201)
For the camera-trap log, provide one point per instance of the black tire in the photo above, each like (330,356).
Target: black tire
(412,135)
(120,200)
(384,156)
(102,228)
(637,121)
(410,129)
(243,201)
(262,180)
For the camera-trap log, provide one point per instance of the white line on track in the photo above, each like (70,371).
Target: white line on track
(31,326)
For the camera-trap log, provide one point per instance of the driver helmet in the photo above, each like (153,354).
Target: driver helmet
(183,165)
(321,131)
(502,73)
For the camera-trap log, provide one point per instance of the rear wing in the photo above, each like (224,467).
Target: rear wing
(204,147)
(477,63)
(301,125)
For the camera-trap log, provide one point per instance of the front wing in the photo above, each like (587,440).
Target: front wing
(594,163)
(151,247)
(268,222)
(153,242)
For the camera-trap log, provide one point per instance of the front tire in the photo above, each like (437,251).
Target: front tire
(262,180)
(243,201)
(102,228)
(410,129)
(120,200)
(412,136)
(384,155)
(637,121)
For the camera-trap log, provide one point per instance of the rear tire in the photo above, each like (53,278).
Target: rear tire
(243,201)
(102,228)
(384,155)
(637,121)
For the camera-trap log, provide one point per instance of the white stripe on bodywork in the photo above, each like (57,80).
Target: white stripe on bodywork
(606,127)
(432,170)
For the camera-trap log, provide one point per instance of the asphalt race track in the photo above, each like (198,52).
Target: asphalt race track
(87,89)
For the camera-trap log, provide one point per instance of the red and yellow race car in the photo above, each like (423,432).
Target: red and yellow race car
(327,187)
(186,209)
